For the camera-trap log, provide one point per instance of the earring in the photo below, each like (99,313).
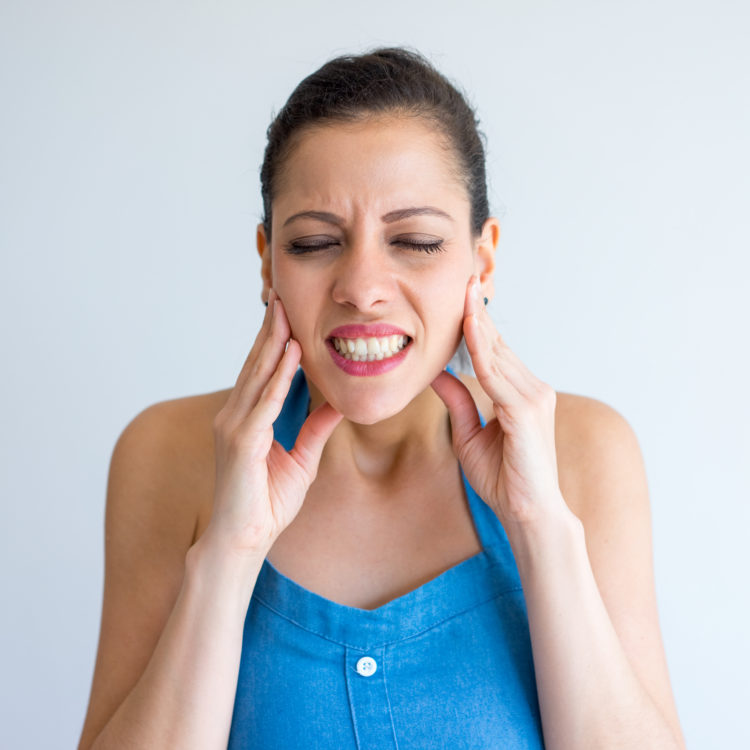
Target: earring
(266,303)
(485,301)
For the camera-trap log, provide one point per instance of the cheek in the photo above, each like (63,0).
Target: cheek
(449,292)
(295,296)
(446,313)
(292,309)
(299,320)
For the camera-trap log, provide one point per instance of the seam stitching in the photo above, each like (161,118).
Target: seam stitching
(502,593)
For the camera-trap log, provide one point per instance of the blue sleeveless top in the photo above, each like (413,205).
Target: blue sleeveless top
(447,665)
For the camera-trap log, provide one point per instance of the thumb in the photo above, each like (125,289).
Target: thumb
(463,413)
(313,436)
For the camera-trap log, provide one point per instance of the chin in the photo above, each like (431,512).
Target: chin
(367,401)
(370,410)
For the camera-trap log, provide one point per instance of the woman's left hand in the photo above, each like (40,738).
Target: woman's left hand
(511,461)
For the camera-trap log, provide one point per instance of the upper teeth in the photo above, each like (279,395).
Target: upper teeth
(366,350)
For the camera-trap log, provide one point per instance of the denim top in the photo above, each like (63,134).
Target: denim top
(447,665)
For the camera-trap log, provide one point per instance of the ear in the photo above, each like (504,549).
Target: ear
(264,250)
(484,256)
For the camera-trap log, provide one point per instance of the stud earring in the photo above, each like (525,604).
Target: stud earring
(485,301)
(266,303)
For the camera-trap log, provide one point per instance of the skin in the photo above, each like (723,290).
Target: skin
(563,474)
(590,693)
(372,270)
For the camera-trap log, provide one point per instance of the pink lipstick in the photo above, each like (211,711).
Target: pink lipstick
(343,339)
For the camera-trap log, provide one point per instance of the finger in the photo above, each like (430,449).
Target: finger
(263,333)
(465,423)
(499,371)
(313,436)
(271,398)
(496,367)
(254,352)
(515,370)
(488,369)
(265,365)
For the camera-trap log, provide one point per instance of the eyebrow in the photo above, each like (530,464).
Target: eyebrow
(389,218)
(405,213)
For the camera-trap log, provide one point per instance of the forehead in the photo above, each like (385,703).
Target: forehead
(376,163)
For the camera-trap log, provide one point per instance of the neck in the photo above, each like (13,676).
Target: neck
(383,452)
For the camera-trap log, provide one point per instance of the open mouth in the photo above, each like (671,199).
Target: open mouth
(370,348)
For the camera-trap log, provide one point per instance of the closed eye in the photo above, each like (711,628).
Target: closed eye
(307,245)
(303,246)
(424,247)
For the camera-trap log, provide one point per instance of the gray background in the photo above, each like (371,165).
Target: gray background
(130,139)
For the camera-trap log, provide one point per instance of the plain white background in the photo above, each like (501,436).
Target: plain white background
(130,140)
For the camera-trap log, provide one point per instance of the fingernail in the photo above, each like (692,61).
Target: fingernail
(475,289)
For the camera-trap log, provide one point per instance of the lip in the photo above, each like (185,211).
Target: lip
(353,331)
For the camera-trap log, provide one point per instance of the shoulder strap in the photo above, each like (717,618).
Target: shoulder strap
(294,412)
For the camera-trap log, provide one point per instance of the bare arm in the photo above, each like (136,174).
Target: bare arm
(173,614)
(168,641)
(185,696)
(582,543)
(589,587)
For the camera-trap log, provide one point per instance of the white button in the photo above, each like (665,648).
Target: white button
(366,666)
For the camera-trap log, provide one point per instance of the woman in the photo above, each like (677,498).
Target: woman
(420,559)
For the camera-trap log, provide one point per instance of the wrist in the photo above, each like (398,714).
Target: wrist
(213,563)
(554,538)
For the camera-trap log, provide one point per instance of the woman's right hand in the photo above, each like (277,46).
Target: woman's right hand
(260,487)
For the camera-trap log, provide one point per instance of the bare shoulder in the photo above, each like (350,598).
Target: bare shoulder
(602,477)
(169,446)
(599,461)
(603,480)
(599,457)
(160,480)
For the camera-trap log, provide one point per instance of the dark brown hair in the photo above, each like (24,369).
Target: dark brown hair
(383,81)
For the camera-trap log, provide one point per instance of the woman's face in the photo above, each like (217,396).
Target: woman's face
(371,250)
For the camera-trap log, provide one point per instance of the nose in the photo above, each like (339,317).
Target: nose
(364,280)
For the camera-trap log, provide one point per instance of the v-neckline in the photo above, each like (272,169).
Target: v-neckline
(470,498)
(483,576)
